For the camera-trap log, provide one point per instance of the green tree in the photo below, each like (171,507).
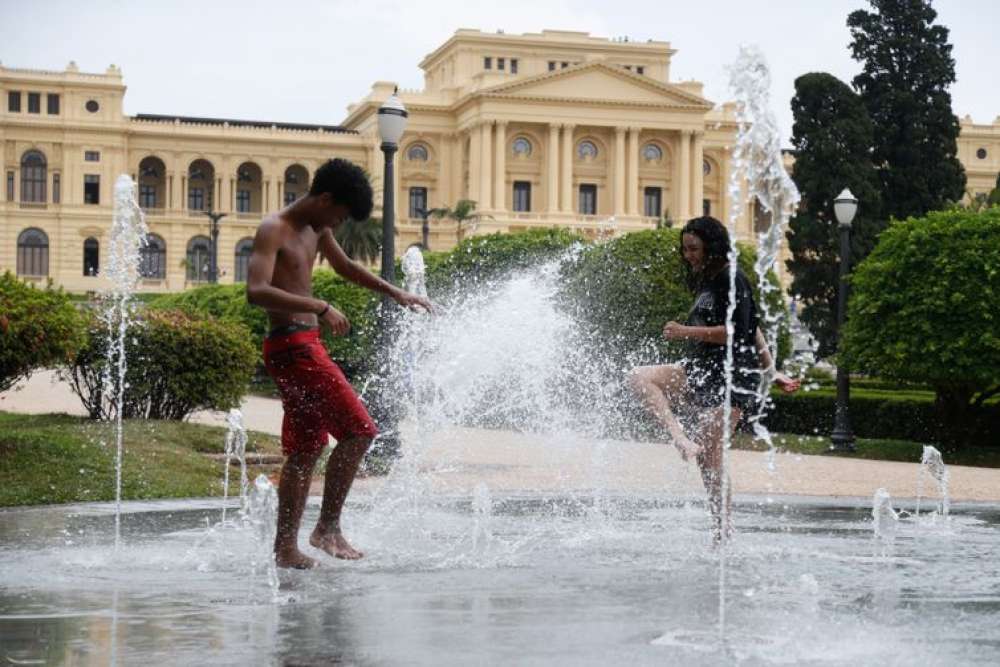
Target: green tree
(361,240)
(464,214)
(832,136)
(907,69)
(38,328)
(924,309)
(994,197)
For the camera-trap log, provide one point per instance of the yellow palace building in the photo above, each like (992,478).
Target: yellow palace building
(550,129)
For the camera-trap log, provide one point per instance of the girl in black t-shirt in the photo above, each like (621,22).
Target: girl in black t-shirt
(695,387)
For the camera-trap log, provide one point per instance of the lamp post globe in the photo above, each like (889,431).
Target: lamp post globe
(845,207)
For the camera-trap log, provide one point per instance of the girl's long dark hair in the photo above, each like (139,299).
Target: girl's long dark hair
(715,238)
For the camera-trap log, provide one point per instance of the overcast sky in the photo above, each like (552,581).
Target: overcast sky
(306,61)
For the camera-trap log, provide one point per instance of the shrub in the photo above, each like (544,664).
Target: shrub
(624,291)
(38,328)
(176,364)
(353,352)
(491,257)
(924,309)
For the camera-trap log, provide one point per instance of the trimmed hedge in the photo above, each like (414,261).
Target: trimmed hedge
(38,328)
(873,415)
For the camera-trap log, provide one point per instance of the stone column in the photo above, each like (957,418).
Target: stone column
(725,196)
(632,177)
(170,204)
(684,176)
(475,163)
(500,168)
(566,196)
(618,196)
(552,161)
(184,192)
(485,191)
(446,158)
(697,172)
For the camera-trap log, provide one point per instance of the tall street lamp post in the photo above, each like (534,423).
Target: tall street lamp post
(213,250)
(391,124)
(845,207)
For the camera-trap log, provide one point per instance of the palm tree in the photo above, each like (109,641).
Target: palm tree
(464,214)
(361,240)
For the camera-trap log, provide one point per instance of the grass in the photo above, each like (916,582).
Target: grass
(872,449)
(61,459)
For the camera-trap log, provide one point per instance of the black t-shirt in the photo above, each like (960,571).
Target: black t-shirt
(710,307)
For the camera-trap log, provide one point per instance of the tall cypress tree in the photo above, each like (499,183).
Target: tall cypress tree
(908,68)
(832,137)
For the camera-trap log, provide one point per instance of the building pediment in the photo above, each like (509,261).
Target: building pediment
(600,83)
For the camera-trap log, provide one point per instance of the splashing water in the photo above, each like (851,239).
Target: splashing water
(236,445)
(885,519)
(128,236)
(482,509)
(932,465)
(262,516)
(757,164)
(414,271)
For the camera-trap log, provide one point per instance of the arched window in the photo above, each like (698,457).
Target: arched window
(521,147)
(243,250)
(33,177)
(706,167)
(296,183)
(91,257)
(417,153)
(153,258)
(198,257)
(586,150)
(652,153)
(32,253)
(201,185)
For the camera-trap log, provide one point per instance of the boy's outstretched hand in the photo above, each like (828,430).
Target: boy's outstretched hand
(413,302)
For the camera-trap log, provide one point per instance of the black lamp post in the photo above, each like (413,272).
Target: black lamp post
(384,409)
(391,124)
(213,250)
(845,206)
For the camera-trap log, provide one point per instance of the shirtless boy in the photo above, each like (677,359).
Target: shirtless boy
(316,397)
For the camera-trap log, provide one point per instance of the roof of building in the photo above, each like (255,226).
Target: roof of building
(233,122)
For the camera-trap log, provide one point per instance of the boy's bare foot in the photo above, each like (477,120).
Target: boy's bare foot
(689,451)
(334,544)
(294,559)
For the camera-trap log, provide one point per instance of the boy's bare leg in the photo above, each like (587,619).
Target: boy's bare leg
(293,489)
(340,471)
(710,463)
(656,386)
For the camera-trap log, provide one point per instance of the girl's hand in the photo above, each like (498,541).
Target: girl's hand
(675,331)
(787,384)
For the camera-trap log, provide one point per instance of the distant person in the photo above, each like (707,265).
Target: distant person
(695,387)
(316,397)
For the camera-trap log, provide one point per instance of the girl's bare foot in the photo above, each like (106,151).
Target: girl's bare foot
(689,451)
(334,544)
(294,559)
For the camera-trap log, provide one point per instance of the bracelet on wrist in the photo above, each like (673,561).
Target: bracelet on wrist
(321,313)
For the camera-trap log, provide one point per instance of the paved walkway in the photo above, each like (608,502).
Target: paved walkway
(458,459)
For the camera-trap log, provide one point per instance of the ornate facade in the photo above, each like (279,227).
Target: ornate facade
(557,128)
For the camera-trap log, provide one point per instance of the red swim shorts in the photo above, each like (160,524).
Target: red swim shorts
(316,397)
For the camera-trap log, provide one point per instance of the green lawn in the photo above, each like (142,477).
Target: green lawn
(60,459)
(875,449)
